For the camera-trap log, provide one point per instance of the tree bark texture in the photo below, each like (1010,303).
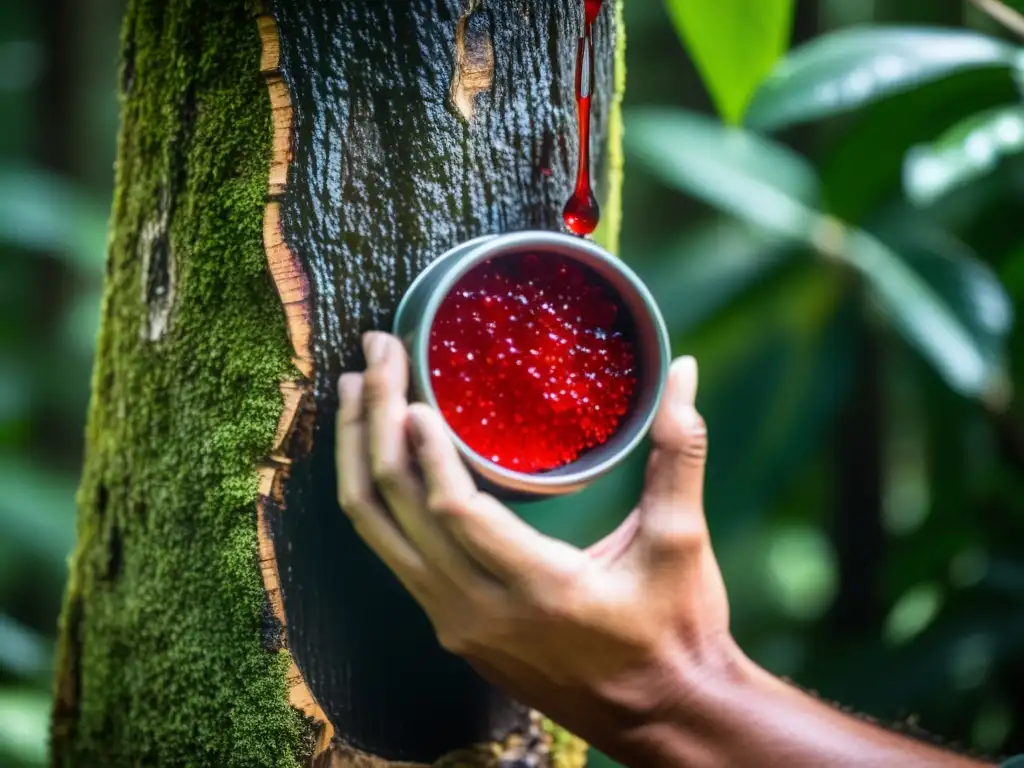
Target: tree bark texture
(283,174)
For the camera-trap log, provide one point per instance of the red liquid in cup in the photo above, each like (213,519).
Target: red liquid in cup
(532,361)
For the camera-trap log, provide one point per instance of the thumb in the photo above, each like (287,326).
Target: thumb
(672,504)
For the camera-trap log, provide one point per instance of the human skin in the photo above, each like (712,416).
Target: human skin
(625,643)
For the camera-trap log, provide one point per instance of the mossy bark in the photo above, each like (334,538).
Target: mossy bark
(214,365)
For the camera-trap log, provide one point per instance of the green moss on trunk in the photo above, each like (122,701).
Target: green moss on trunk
(166,656)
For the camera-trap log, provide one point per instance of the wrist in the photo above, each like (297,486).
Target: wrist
(690,712)
(729,711)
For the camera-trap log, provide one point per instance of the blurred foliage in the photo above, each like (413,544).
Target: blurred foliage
(734,44)
(57,136)
(823,196)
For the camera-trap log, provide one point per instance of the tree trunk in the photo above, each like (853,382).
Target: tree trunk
(220,609)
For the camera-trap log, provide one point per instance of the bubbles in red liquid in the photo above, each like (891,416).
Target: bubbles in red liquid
(532,361)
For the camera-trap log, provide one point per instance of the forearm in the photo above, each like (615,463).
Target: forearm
(745,716)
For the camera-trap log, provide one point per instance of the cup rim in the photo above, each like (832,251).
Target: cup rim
(471,254)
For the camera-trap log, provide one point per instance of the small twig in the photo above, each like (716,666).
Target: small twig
(1011,19)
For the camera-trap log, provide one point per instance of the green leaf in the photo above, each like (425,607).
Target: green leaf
(15,390)
(968,151)
(864,167)
(800,565)
(37,509)
(24,723)
(945,302)
(843,71)
(771,397)
(81,322)
(916,609)
(23,63)
(706,268)
(736,171)
(22,651)
(734,44)
(44,212)
(929,666)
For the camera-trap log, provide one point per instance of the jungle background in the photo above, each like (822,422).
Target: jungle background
(846,265)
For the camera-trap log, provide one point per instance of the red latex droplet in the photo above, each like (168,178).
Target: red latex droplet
(532,361)
(582,213)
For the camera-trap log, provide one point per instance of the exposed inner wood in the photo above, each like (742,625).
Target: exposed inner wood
(290,279)
(293,288)
(474,65)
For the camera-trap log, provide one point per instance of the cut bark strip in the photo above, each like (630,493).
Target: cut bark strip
(293,287)
(291,395)
(281,117)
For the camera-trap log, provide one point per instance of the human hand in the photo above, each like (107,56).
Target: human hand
(600,639)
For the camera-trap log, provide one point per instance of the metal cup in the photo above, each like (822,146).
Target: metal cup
(415,316)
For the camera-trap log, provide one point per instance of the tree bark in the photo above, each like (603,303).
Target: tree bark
(283,174)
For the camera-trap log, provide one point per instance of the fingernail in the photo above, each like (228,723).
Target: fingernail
(375,346)
(684,382)
(348,385)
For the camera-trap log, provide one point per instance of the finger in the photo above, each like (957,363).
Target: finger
(357,497)
(391,465)
(491,533)
(386,382)
(672,502)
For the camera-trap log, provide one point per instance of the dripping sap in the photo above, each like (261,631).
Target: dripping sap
(582,213)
